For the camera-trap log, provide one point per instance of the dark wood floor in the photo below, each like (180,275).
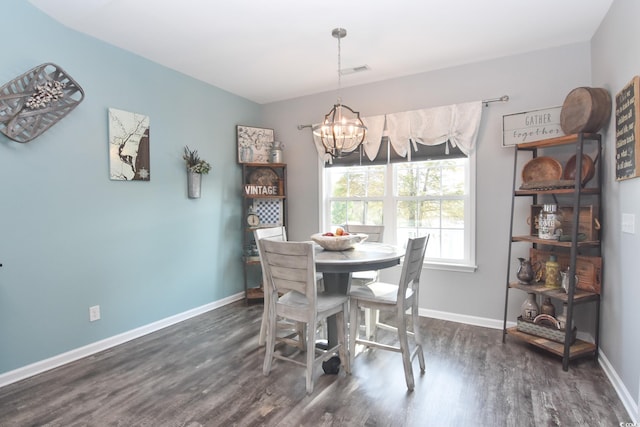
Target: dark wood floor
(207,371)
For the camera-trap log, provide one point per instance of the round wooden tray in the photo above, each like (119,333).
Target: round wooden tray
(541,169)
(263,176)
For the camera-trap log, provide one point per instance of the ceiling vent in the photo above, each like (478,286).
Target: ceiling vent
(353,70)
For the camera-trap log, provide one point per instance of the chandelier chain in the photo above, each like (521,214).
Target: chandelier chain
(339,73)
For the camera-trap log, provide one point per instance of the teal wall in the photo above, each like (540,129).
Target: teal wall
(71,238)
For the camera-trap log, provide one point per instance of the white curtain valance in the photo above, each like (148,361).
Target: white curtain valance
(456,123)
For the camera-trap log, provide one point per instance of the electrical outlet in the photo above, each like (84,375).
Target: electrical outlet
(94,313)
(628,223)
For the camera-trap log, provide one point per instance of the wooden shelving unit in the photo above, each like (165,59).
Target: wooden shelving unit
(264,190)
(572,247)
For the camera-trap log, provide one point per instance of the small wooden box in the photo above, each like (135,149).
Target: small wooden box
(588,268)
(588,223)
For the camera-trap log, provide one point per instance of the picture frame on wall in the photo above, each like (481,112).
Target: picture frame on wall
(627,116)
(129,156)
(254,144)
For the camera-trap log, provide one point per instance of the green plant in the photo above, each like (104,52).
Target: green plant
(194,162)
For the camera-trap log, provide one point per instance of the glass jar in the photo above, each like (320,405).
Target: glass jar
(547,220)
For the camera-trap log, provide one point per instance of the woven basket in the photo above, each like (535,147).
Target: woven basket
(27,110)
(544,331)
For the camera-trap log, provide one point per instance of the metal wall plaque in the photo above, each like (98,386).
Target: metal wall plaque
(36,100)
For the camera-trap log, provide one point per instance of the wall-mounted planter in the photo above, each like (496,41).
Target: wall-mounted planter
(194,181)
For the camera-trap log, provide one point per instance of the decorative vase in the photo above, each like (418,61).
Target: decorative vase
(194,181)
(547,307)
(529,308)
(552,272)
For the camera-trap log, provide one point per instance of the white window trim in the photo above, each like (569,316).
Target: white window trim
(470,232)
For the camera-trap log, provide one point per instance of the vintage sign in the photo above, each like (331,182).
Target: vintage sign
(530,126)
(261,190)
(627,122)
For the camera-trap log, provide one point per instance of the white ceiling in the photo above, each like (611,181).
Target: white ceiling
(274,50)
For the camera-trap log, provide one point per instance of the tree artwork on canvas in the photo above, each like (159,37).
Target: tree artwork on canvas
(254,144)
(128,146)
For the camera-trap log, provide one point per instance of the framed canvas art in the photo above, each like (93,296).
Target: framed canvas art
(128,146)
(254,144)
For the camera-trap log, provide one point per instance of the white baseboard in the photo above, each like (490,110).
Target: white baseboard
(618,385)
(627,400)
(463,318)
(98,346)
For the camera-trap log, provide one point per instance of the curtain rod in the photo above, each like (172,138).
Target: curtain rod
(503,98)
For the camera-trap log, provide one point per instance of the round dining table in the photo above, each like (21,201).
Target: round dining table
(336,268)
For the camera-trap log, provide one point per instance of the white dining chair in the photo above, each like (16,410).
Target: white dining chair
(395,300)
(285,330)
(360,278)
(290,271)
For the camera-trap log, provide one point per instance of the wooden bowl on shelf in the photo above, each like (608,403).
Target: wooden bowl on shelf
(542,168)
(588,168)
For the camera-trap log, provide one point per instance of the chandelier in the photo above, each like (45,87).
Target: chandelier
(342,131)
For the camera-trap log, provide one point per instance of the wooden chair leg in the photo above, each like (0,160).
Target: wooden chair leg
(371,320)
(301,331)
(264,325)
(417,336)
(311,354)
(405,351)
(354,328)
(343,352)
(270,340)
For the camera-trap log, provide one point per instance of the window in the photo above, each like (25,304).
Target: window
(410,198)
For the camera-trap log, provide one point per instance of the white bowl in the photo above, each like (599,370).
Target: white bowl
(338,243)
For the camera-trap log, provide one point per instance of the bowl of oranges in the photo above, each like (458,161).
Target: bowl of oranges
(340,240)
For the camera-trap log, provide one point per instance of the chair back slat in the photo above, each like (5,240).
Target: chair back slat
(412,266)
(375,232)
(273,233)
(289,266)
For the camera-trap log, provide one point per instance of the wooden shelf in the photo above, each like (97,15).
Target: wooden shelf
(265,165)
(547,242)
(579,295)
(266,196)
(555,142)
(568,191)
(255,294)
(579,348)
